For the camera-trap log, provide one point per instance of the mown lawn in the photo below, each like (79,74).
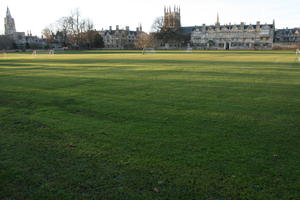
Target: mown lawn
(170,125)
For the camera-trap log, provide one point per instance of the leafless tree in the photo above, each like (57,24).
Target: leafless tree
(64,26)
(49,32)
(144,41)
(157,24)
(73,30)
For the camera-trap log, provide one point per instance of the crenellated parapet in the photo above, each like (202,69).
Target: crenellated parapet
(172,18)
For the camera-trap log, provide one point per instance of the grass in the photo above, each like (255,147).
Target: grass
(120,125)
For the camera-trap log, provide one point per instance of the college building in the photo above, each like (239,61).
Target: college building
(120,38)
(241,36)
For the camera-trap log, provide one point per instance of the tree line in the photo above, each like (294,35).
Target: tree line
(73,31)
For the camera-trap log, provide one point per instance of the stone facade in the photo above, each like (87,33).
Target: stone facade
(233,37)
(34,42)
(19,38)
(287,36)
(222,37)
(120,38)
(218,37)
(9,23)
(172,19)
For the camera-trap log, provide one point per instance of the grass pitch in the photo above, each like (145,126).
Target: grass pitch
(171,125)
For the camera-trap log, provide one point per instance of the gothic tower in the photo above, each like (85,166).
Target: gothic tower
(9,23)
(172,18)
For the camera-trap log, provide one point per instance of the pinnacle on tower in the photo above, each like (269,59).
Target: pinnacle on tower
(9,23)
(218,20)
(8,12)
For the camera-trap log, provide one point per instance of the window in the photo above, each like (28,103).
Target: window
(264,32)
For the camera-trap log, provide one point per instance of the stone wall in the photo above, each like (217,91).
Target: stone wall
(286,46)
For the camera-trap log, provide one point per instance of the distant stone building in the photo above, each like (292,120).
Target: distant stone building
(120,38)
(10,30)
(20,39)
(233,37)
(34,42)
(222,37)
(287,35)
(287,39)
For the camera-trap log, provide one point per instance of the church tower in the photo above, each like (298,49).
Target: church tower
(172,18)
(9,23)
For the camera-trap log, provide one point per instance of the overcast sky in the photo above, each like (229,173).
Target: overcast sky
(36,14)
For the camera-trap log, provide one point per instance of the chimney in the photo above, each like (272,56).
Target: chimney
(258,26)
(110,28)
(242,26)
(203,28)
(127,28)
(137,29)
(117,27)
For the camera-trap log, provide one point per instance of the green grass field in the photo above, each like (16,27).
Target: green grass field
(171,125)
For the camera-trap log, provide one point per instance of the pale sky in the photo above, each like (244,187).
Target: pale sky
(36,14)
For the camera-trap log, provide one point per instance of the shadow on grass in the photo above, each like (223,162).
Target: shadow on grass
(24,62)
(183,52)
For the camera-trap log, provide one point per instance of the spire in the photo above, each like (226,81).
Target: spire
(10,27)
(8,12)
(218,20)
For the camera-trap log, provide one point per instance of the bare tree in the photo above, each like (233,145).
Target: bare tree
(48,32)
(158,24)
(144,41)
(64,26)
(89,32)
(72,30)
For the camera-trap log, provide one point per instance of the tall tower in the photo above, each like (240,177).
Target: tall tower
(9,23)
(172,18)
